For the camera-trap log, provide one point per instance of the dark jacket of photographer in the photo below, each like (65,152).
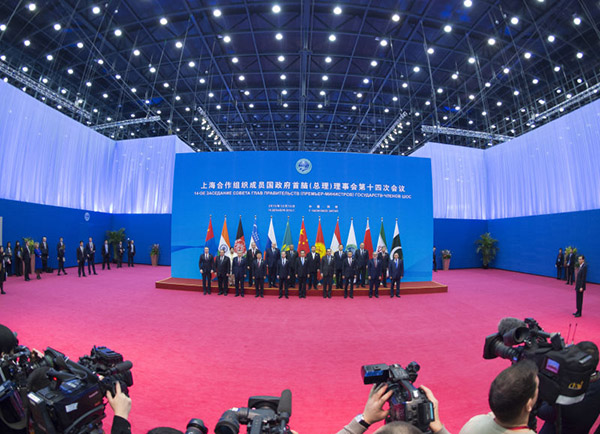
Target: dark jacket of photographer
(120,426)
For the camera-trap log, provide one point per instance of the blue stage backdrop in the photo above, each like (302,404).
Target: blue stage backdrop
(290,186)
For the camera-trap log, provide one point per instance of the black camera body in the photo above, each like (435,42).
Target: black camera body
(407,403)
(264,415)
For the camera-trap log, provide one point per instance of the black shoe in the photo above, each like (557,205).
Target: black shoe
(242,295)
(286,297)
(237,295)
(398,295)
(281,296)
(95,274)
(256,296)
(376,296)
(370,296)
(64,273)
(577,316)
(2,292)
(262,296)
(345,296)
(351,296)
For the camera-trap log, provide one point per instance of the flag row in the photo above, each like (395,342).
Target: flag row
(240,242)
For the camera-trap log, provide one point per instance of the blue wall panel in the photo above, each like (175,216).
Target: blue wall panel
(146,229)
(459,237)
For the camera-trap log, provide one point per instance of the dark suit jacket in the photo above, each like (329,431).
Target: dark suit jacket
(302,270)
(206,265)
(581,277)
(284,271)
(385,259)
(106,250)
(292,255)
(239,267)
(129,252)
(396,272)
(26,253)
(90,251)
(375,270)
(338,259)
(44,249)
(121,250)
(222,267)
(327,269)
(259,271)
(60,250)
(80,255)
(272,257)
(250,257)
(362,259)
(560,260)
(315,264)
(348,270)
(571,261)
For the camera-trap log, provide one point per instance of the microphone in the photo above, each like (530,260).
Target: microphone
(285,405)
(509,323)
(121,367)
(513,331)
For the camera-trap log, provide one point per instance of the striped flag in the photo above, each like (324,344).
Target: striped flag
(336,240)
(240,242)
(224,241)
(351,242)
(320,241)
(271,240)
(287,238)
(368,241)
(254,236)
(210,238)
(381,241)
(396,244)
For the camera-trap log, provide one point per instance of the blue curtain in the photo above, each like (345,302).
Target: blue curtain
(49,158)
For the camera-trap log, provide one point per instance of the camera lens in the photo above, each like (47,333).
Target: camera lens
(228,424)
(196,426)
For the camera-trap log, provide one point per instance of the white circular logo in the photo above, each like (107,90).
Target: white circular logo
(303,166)
(86,216)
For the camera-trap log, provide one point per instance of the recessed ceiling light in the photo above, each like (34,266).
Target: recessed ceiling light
(281,58)
(2,27)
(373,63)
(104,95)
(395,18)
(32,7)
(337,10)
(491,41)
(165,85)
(365,80)
(576,21)
(447,28)
(282,77)
(556,68)
(136,52)
(279,36)
(328,59)
(152,69)
(241,78)
(251,105)
(234,60)
(383,42)
(325,78)
(163,21)
(276,9)
(96,10)
(359,95)
(468,3)
(118,32)
(514,21)
(580,55)
(430,50)
(191,64)
(284,92)
(516,93)
(527,55)
(88,83)
(179,44)
(202,81)
(551,38)
(27,42)
(395,98)
(211,95)
(80,45)
(322,93)
(217,13)
(50,57)
(70,71)
(471,60)
(332,37)
(535,81)
(57,27)
(285,105)
(416,69)
(506,70)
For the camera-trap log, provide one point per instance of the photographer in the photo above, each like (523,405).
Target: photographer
(374,412)
(121,405)
(9,422)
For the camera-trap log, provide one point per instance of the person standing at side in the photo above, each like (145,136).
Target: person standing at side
(272,255)
(327,268)
(120,252)
(580,285)
(362,262)
(222,268)
(338,260)
(396,273)
(292,255)
(45,253)
(374,272)
(106,255)
(570,268)
(206,267)
(8,254)
(283,272)
(18,259)
(26,261)
(239,272)
(90,253)
(560,258)
(259,271)
(81,259)
(2,269)
(385,263)
(349,272)
(314,268)
(130,253)
(60,256)
(250,257)
(434,260)
(38,261)
(302,270)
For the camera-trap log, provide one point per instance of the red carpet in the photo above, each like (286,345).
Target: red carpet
(196,356)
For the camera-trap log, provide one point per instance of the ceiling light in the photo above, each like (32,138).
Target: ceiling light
(353,107)
(541,101)
(218,106)
(276,9)
(118,76)
(471,60)
(488,84)
(580,55)
(152,69)
(447,28)
(416,69)
(373,63)
(332,37)
(70,71)
(96,10)
(118,32)
(27,42)
(57,27)
(32,7)
(284,92)
(395,18)
(104,95)
(535,81)
(516,92)
(457,108)
(514,21)
(234,60)
(136,52)
(471,97)
(50,57)
(63,91)
(88,83)
(322,93)
(383,42)
(211,95)
(241,78)
(100,61)
(506,70)
(427,103)
(281,58)
(163,21)
(499,103)
(25,69)
(337,10)
(251,105)
(365,80)
(328,59)
(556,68)
(324,78)
(455,76)
(282,77)
(227,39)
(527,55)
(576,21)
(491,41)
(320,106)
(247,92)
(483,113)
(285,105)
(177,98)
(359,95)
(279,36)
(430,50)
(440,90)
(551,38)
(165,85)
(191,64)
(179,44)
(217,13)
(80,45)
(468,3)
(404,85)
(2,27)
(394,98)
(202,81)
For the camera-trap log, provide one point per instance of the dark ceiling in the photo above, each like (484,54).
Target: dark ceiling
(269,76)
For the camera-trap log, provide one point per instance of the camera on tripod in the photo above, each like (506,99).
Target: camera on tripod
(407,403)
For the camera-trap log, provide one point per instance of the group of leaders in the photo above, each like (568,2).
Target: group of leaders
(290,266)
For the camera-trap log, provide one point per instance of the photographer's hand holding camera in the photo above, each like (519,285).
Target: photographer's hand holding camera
(121,405)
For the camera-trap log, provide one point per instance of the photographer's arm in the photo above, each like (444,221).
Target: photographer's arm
(436,426)
(372,413)
(121,405)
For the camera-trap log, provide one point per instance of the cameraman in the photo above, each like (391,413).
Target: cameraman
(374,412)
(8,343)
(121,405)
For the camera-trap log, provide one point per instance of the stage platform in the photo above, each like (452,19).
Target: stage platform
(406,288)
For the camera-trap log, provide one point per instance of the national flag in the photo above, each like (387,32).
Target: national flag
(320,241)
(224,241)
(367,240)
(210,238)
(240,242)
(336,240)
(396,245)
(303,240)
(271,240)
(287,238)
(254,236)
(351,242)
(381,241)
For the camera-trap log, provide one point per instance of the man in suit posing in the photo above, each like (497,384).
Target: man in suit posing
(338,261)
(384,256)
(259,271)
(120,252)
(26,261)
(283,272)
(348,273)
(560,259)
(60,255)
(81,259)
(250,257)
(327,268)
(396,270)
(362,260)
(239,271)
(271,258)
(222,265)
(206,267)
(292,255)
(130,253)
(302,270)
(375,266)
(580,284)
(45,253)
(90,253)
(315,265)
(570,268)
(106,255)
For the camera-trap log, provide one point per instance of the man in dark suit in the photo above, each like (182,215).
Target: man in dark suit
(560,259)
(18,259)
(302,270)
(283,272)
(239,272)
(338,261)
(580,284)
(434,259)
(570,268)
(374,272)
(81,256)
(250,257)
(26,261)
(206,267)
(315,265)
(292,255)
(45,253)
(222,267)
(384,256)
(60,255)
(362,260)
(348,273)
(90,253)
(120,252)
(106,255)
(272,256)
(396,271)
(259,271)
(327,269)
(130,253)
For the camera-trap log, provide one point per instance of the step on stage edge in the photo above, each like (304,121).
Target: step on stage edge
(405,288)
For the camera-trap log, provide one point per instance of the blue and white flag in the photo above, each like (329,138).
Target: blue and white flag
(254,237)
(271,240)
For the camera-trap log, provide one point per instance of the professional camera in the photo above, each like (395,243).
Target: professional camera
(564,371)
(407,403)
(264,415)
(73,402)
(196,426)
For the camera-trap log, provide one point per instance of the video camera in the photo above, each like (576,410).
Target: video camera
(564,372)
(264,415)
(407,403)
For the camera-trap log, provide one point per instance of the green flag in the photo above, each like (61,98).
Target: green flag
(381,240)
(396,245)
(287,238)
